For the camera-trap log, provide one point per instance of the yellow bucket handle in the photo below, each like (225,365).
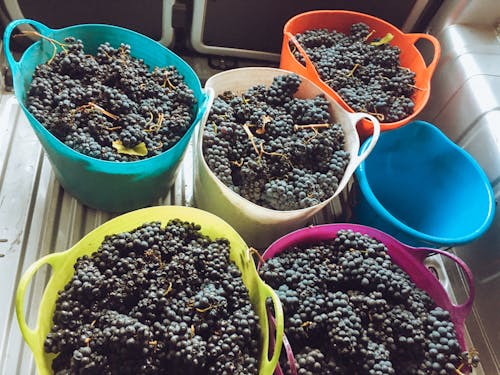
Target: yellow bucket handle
(31,335)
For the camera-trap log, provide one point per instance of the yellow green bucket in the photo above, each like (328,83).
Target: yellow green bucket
(62,271)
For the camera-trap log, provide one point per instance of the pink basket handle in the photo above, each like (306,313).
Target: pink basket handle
(289,355)
(414,37)
(286,344)
(309,68)
(459,311)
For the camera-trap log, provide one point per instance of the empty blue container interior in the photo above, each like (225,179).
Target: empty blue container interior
(105,185)
(422,188)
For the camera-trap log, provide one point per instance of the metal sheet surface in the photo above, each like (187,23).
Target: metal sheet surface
(478,96)
(467,53)
(465,104)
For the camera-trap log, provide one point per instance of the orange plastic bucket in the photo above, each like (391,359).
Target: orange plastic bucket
(341,21)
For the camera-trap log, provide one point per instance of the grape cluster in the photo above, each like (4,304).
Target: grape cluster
(350,310)
(155,300)
(273,149)
(367,76)
(110,105)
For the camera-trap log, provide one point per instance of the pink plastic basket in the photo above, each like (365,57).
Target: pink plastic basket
(409,259)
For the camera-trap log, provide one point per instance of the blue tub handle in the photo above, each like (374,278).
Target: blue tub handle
(41,28)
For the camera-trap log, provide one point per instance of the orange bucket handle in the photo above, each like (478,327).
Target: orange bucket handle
(429,70)
(309,69)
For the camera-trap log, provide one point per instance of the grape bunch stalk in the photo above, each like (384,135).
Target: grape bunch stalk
(111,105)
(274,149)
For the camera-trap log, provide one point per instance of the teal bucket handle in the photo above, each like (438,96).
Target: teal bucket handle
(40,27)
(209,100)
(203,106)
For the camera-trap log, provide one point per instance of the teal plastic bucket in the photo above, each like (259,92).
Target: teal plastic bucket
(423,189)
(101,184)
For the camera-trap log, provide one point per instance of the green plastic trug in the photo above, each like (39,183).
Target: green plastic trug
(211,225)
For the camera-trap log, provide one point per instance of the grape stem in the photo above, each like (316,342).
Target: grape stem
(167,81)
(417,88)
(311,126)
(264,152)
(53,42)
(161,117)
(169,289)
(251,137)
(150,120)
(192,331)
(160,145)
(266,119)
(238,163)
(156,256)
(210,307)
(254,251)
(92,105)
(351,73)
(112,128)
(413,86)
(369,35)
(361,251)
(379,116)
(155,127)
(314,127)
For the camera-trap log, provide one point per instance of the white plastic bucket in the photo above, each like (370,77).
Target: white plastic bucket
(260,226)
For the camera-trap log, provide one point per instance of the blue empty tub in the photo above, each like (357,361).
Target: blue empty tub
(420,187)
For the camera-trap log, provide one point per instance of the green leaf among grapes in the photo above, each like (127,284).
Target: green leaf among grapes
(386,39)
(139,150)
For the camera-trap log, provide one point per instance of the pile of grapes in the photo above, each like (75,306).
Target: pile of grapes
(110,106)
(156,300)
(275,150)
(350,310)
(366,74)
